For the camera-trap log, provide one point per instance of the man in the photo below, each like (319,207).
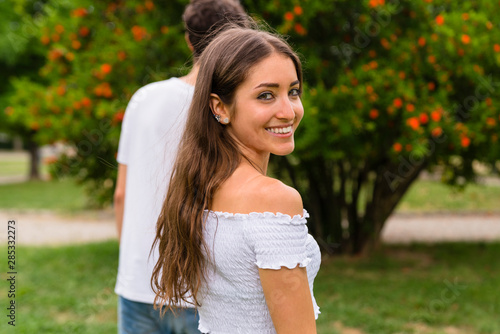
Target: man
(151,130)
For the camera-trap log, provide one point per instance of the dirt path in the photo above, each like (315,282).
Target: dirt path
(407,228)
(49,228)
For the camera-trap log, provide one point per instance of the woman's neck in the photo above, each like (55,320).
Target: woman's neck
(260,166)
(190,78)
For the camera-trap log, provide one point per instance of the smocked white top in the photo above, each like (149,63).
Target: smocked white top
(233,301)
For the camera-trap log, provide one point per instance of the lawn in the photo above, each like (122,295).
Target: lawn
(433,196)
(16,163)
(61,195)
(13,168)
(440,289)
(65,290)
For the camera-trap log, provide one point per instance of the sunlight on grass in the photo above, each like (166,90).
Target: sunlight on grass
(432,196)
(62,195)
(13,168)
(17,163)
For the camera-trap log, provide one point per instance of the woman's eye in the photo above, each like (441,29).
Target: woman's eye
(295,92)
(265,96)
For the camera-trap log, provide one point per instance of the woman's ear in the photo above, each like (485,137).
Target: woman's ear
(188,42)
(219,109)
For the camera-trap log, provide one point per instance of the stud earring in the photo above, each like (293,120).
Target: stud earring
(217,118)
(226,120)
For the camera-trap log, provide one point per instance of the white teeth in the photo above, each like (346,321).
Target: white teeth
(280,130)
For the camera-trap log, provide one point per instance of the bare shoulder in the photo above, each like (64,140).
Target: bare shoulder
(271,195)
(248,191)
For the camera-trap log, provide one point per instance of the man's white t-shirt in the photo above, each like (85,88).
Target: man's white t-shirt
(151,131)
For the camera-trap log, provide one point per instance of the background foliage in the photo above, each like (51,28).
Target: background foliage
(392,88)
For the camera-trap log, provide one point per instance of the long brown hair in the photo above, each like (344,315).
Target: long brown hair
(207,156)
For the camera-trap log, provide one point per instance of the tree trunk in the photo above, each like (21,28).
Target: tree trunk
(325,213)
(33,149)
(391,185)
(17,143)
(330,206)
(359,230)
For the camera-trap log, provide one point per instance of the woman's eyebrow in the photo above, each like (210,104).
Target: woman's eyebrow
(275,85)
(267,84)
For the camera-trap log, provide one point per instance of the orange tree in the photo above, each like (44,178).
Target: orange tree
(393,87)
(19,55)
(97,54)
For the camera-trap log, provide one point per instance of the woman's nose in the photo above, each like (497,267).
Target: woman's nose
(286,109)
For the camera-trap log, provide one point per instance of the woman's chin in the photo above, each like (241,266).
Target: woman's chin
(284,150)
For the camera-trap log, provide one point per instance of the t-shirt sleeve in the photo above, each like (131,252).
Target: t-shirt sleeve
(126,135)
(278,241)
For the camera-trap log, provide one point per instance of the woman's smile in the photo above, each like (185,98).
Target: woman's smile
(281,131)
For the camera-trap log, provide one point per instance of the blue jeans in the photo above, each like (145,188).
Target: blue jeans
(141,318)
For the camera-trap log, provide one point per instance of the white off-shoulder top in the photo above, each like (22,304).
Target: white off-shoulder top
(233,301)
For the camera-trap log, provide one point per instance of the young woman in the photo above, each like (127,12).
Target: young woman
(229,236)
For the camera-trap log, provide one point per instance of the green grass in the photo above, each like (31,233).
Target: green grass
(61,195)
(407,288)
(17,164)
(413,289)
(13,168)
(64,290)
(432,196)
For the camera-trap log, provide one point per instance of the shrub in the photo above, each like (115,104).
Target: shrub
(392,88)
